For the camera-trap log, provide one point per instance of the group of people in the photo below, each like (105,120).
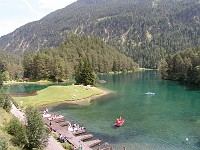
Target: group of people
(62,139)
(53,117)
(75,127)
(45,111)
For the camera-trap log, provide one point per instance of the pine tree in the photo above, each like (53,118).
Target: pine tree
(85,74)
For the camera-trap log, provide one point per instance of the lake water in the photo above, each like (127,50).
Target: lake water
(168,120)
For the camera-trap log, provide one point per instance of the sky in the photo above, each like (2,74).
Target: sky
(15,13)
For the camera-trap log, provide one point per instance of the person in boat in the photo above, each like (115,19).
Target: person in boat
(119,119)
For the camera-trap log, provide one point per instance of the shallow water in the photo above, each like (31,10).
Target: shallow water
(159,122)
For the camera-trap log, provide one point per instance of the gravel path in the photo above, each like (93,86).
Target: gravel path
(53,145)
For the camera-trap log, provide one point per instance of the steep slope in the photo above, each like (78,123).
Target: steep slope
(145,30)
(11,63)
(60,63)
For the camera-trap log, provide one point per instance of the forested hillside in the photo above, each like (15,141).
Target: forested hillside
(60,63)
(10,65)
(183,66)
(145,30)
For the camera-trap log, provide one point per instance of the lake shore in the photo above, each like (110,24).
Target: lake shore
(87,100)
(82,102)
(55,95)
(26,83)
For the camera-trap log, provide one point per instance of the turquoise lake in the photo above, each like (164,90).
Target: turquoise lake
(168,120)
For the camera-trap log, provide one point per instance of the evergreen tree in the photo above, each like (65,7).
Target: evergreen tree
(85,74)
(37,132)
(163,69)
(182,66)
(78,73)
(3,66)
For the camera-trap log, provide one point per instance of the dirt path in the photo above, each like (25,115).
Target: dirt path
(52,145)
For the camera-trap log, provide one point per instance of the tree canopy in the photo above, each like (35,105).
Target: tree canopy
(36,131)
(61,63)
(183,66)
(84,73)
(34,134)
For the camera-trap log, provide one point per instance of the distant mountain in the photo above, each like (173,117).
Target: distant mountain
(145,30)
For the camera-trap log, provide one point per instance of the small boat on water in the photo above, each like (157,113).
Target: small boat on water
(119,122)
(150,93)
(102,81)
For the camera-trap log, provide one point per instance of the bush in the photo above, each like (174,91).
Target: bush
(3,144)
(5,76)
(32,135)
(7,105)
(16,128)
(5,101)
(13,126)
(20,137)
(20,80)
(2,100)
(67,146)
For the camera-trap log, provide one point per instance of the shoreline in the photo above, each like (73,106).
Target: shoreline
(56,95)
(84,101)
(26,83)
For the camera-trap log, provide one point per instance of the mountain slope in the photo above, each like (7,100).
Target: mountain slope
(11,63)
(145,30)
(60,63)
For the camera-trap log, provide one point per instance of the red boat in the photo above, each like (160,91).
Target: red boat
(119,122)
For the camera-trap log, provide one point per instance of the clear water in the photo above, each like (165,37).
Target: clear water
(160,122)
(17,89)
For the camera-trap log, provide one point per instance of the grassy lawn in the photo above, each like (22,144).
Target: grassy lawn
(54,94)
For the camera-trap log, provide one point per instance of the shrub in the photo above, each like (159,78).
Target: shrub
(13,126)
(16,128)
(7,105)
(3,144)
(5,101)
(20,137)
(2,100)
(20,80)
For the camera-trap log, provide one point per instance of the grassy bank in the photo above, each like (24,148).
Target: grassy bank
(34,82)
(57,94)
(5,118)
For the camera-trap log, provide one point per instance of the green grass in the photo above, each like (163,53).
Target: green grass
(55,94)
(5,118)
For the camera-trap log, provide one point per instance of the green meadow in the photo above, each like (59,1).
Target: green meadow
(57,94)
